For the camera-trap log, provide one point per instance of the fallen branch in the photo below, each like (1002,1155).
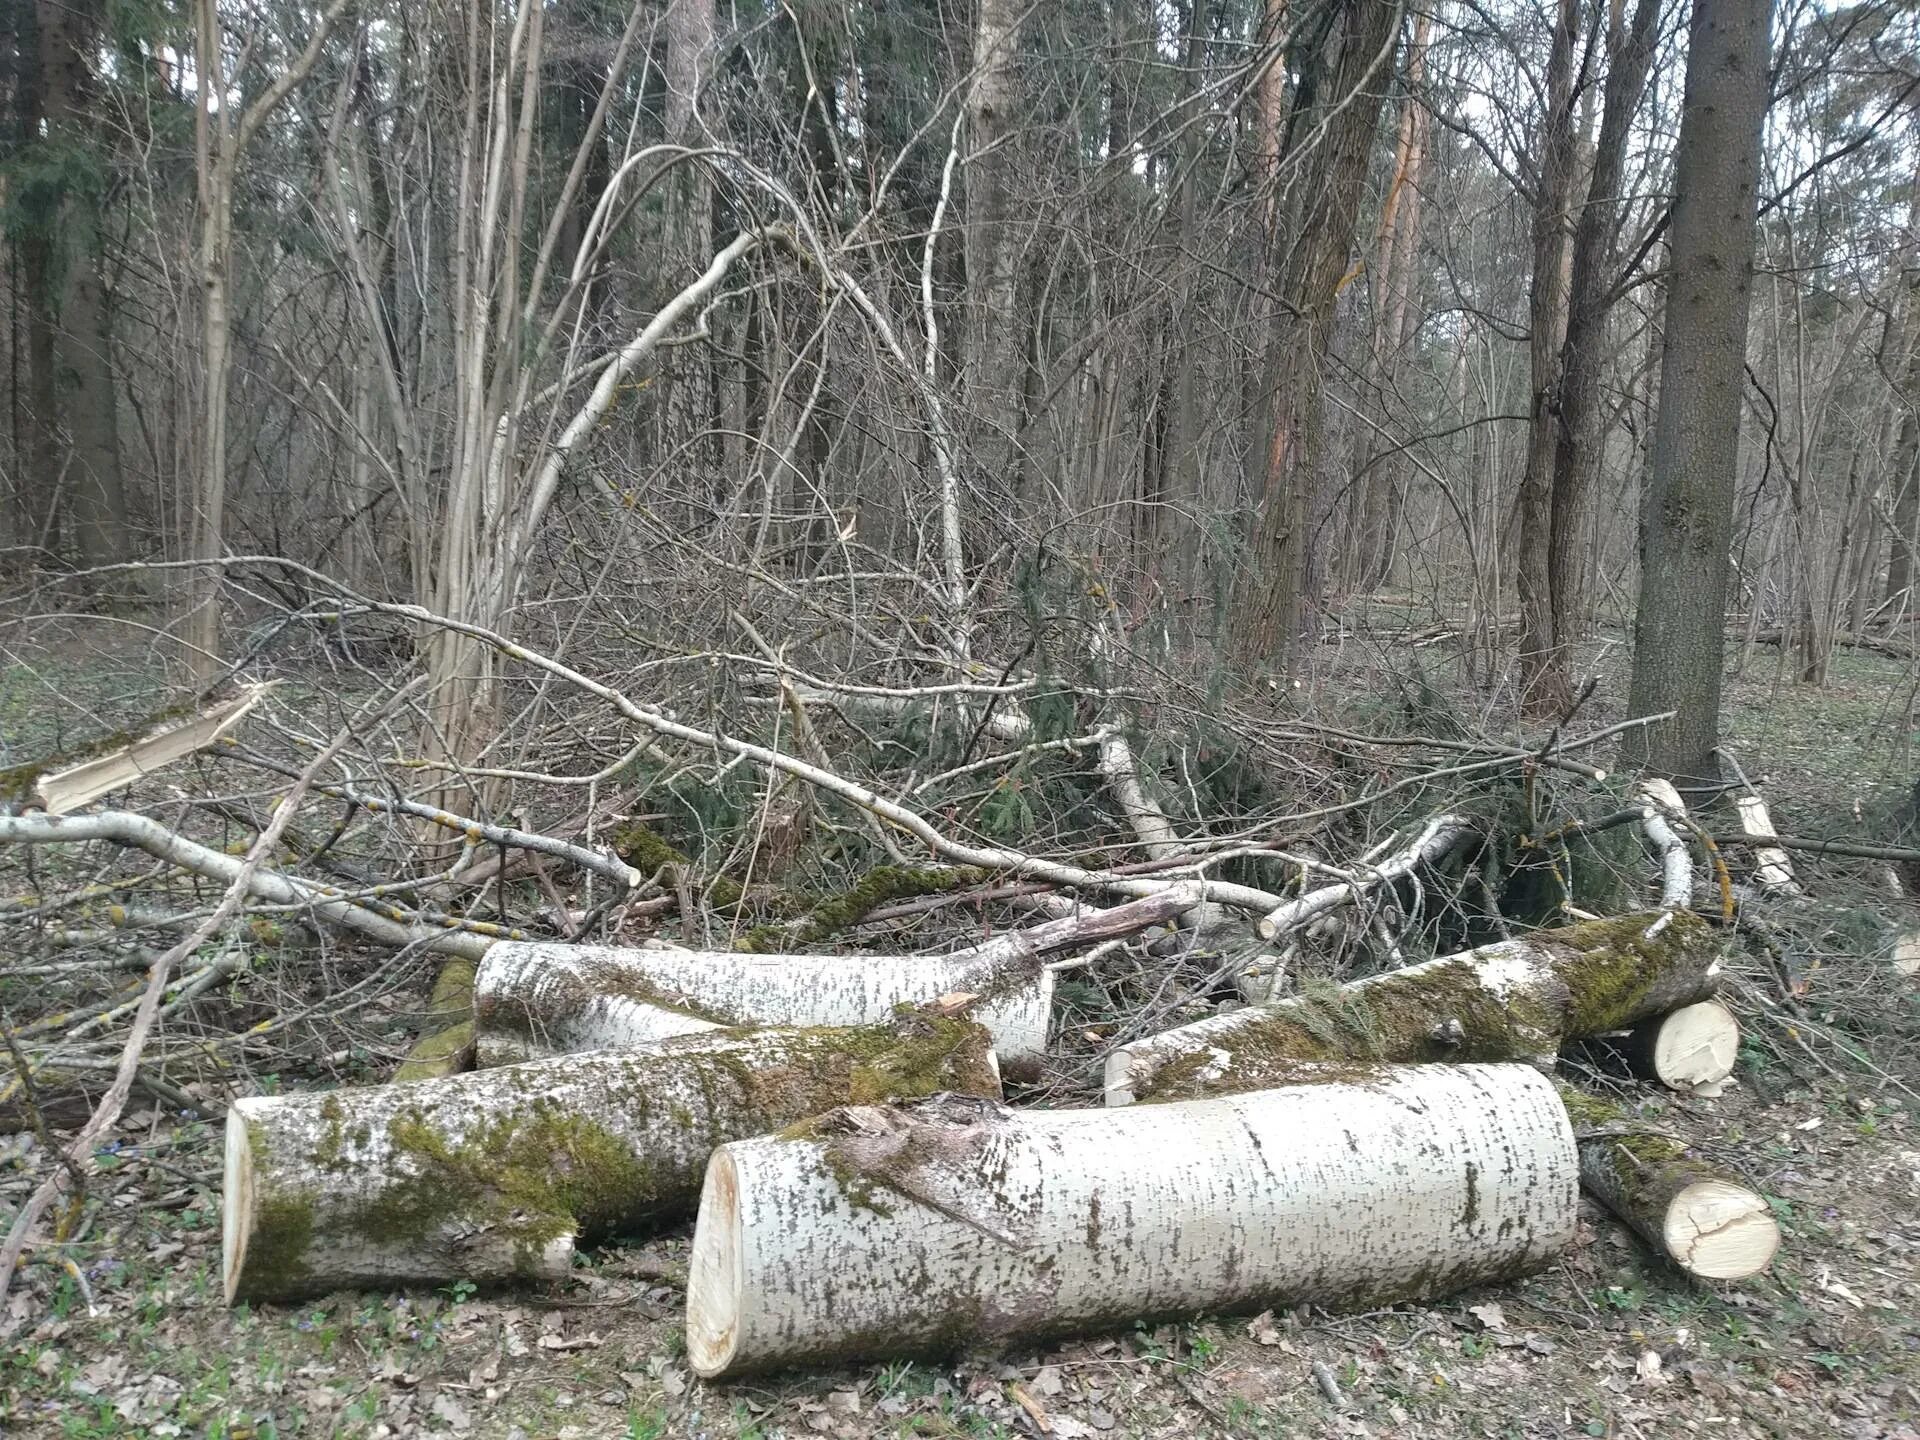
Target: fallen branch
(1439,837)
(113,765)
(496,1173)
(948,1224)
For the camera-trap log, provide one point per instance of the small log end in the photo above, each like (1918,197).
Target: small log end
(1721,1231)
(236,1204)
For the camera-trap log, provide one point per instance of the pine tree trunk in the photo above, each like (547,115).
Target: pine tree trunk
(946,1225)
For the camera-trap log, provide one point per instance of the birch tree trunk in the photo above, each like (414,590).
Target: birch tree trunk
(533,999)
(951,1224)
(496,1173)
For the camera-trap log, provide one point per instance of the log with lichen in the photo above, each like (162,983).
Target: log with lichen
(497,1173)
(1700,1216)
(541,999)
(933,1228)
(1517,1000)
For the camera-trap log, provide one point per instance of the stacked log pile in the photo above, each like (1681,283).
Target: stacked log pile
(861,1190)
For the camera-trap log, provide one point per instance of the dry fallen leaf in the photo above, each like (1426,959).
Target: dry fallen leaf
(1261,1329)
(1489,1315)
(446,1408)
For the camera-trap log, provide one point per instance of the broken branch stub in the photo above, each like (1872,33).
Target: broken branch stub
(1516,1000)
(497,1173)
(936,1227)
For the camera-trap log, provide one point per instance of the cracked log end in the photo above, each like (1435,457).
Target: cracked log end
(1721,1231)
(1695,1045)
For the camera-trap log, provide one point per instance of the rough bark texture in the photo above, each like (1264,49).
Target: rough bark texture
(943,1226)
(1544,681)
(1687,511)
(1335,114)
(1703,1219)
(1518,1000)
(496,1173)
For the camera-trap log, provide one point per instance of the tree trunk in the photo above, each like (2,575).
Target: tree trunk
(1334,118)
(1687,513)
(993,365)
(1543,682)
(83,389)
(497,1173)
(533,999)
(1517,1000)
(946,1225)
(1579,437)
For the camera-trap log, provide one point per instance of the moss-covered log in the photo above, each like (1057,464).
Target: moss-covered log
(1518,1000)
(1704,1219)
(937,1227)
(497,1173)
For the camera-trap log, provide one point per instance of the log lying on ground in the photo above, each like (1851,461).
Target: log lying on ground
(944,1225)
(535,999)
(1705,1220)
(1694,1046)
(497,1173)
(1517,1000)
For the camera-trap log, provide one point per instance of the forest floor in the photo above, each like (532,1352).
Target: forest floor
(1607,1343)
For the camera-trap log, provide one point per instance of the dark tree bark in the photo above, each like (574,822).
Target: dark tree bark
(1543,684)
(1330,133)
(1687,511)
(1583,351)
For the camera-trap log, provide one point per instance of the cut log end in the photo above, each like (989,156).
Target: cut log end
(1721,1231)
(236,1205)
(717,1273)
(1695,1045)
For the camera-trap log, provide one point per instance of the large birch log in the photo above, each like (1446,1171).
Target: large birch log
(1702,1218)
(1517,1000)
(540,999)
(497,1173)
(945,1225)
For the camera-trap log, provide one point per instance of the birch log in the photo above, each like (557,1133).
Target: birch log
(1661,804)
(542,999)
(1772,868)
(1517,1000)
(1694,1046)
(1702,1218)
(946,1225)
(496,1173)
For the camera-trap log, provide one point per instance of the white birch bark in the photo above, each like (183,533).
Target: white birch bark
(1439,836)
(495,1173)
(1772,869)
(532,998)
(1517,1000)
(949,1224)
(1662,801)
